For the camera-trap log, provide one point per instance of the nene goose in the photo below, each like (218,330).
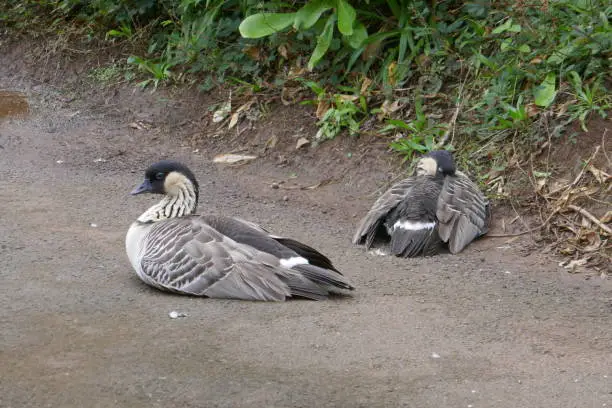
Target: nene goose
(173,249)
(418,214)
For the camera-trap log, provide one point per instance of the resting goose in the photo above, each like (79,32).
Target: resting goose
(173,249)
(418,214)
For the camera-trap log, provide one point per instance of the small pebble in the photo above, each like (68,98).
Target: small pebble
(274,186)
(174,314)
(435,355)
(285,198)
(92,225)
(59,161)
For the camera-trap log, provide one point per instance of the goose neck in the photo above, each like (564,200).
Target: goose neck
(180,204)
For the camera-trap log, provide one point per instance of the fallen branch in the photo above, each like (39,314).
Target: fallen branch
(590,217)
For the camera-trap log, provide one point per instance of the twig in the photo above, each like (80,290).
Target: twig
(590,217)
(453,121)
(516,234)
(603,142)
(577,179)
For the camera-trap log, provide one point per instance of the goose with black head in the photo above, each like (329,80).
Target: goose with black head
(438,205)
(173,249)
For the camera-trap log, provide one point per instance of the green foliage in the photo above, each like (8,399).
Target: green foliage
(502,63)
(593,98)
(420,135)
(342,115)
(159,71)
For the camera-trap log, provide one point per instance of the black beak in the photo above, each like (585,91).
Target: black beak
(145,187)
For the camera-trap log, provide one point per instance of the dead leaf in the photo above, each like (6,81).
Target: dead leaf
(348,98)
(231,158)
(302,141)
(240,112)
(365,85)
(234,120)
(222,113)
(392,73)
(561,109)
(282,50)
(139,125)
(254,52)
(322,108)
(540,183)
(388,108)
(592,240)
(607,217)
(532,110)
(576,262)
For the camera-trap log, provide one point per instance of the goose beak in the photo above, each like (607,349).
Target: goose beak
(145,187)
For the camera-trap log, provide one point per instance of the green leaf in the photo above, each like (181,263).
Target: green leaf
(360,33)
(395,8)
(477,9)
(403,44)
(545,93)
(524,48)
(560,55)
(575,80)
(515,28)
(263,24)
(308,15)
(346,17)
(323,42)
(382,36)
(507,43)
(502,28)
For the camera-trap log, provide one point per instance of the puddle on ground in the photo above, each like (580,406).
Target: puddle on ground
(13,104)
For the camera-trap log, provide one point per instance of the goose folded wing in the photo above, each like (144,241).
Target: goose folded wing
(382,206)
(192,257)
(254,235)
(462,212)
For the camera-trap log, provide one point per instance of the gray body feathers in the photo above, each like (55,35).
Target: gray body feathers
(419,213)
(226,258)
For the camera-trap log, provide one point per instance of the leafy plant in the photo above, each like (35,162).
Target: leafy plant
(342,15)
(416,136)
(124,31)
(593,98)
(160,71)
(342,115)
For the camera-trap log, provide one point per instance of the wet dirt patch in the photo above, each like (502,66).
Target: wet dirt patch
(13,104)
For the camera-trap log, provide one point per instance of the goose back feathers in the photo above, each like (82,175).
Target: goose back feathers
(173,249)
(420,213)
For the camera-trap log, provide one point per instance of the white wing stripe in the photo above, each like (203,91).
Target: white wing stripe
(414,225)
(293,261)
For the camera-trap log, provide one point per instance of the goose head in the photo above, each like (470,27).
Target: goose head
(176,182)
(436,162)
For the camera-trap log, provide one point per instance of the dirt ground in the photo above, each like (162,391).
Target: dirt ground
(496,326)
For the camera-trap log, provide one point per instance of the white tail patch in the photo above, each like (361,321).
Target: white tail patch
(413,225)
(378,252)
(293,261)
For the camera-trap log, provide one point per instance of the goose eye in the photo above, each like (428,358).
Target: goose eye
(159,176)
